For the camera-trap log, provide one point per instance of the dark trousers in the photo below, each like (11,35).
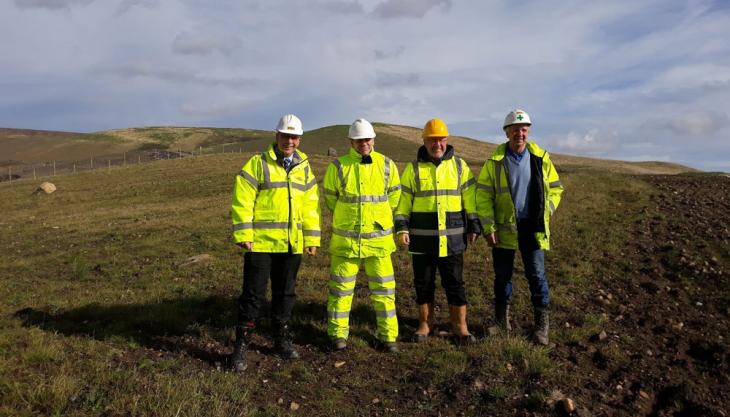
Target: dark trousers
(258,269)
(451,269)
(533,259)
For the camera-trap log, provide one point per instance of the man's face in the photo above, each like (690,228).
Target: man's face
(517,135)
(435,146)
(287,143)
(363,146)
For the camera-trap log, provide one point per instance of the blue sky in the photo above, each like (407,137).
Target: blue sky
(630,80)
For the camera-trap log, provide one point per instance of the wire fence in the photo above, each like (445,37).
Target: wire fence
(15,171)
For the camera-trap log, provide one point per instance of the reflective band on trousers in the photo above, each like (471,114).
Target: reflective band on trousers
(341,280)
(386,313)
(347,233)
(341,293)
(363,199)
(383,291)
(431,232)
(382,280)
(338,314)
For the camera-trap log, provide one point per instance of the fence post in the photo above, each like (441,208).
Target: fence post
(34,177)
(110,163)
(92,162)
(139,159)
(239,150)
(54,168)
(74,168)
(10,174)
(125,158)
(224,148)
(201,151)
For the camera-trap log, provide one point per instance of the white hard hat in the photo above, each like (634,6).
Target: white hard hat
(290,125)
(361,129)
(516,116)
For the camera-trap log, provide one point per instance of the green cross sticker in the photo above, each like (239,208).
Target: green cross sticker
(519,117)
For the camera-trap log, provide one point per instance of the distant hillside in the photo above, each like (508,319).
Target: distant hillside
(19,147)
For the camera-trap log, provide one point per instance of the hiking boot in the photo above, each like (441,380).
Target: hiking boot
(339,344)
(389,347)
(466,340)
(501,316)
(283,346)
(542,325)
(238,357)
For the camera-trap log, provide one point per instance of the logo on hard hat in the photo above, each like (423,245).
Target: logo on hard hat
(290,128)
(520,117)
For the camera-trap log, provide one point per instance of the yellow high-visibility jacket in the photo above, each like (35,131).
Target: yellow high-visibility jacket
(275,209)
(362,197)
(437,205)
(494,199)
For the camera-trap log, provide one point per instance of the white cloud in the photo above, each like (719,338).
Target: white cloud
(588,143)
(127,5)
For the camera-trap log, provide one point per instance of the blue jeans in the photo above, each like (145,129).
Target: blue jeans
(533,259)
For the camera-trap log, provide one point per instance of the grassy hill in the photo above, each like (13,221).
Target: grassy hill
(20,147)
(98,317)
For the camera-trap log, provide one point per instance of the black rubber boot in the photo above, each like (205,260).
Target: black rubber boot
(501,316)
(283,345)
(238,357)
(542,325)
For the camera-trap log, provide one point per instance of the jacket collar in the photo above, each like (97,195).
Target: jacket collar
(274,154)
(532,147)
(423,155)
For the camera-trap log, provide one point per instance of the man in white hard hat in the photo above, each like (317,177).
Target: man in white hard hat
(275,212)
(518,191)
(362,188)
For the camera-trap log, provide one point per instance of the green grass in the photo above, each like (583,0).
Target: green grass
(96,317)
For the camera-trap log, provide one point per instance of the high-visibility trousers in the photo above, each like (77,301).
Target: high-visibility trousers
(381,281)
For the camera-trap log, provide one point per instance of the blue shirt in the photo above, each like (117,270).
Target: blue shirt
(518,173)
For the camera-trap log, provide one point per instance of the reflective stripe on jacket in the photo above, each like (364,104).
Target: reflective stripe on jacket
(494,199)
(437,206)
(362,197)
(273,208)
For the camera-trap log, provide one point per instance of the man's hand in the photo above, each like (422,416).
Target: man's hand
(404,239)
(245,245)
(311,250)
(492,239)
(471,237)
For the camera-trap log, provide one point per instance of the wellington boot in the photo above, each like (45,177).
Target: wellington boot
(542,325)
(501,316)
(425,318)
(458,325)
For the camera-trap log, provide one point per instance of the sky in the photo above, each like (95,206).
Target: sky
(620,79)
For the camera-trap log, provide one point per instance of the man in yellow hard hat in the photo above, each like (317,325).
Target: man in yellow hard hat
(435,218)
(362,188)
(518,191)
(275,212)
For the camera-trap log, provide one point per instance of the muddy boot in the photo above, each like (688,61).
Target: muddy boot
(425,316)
(542,324)
(238,358)
(501,316)
(283,346)
(457,314)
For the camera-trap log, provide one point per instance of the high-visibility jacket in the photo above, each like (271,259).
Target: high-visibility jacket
(274,208)
(496,208)
(362,197)
(437,206)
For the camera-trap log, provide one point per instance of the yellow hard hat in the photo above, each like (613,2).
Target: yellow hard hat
(435,128)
